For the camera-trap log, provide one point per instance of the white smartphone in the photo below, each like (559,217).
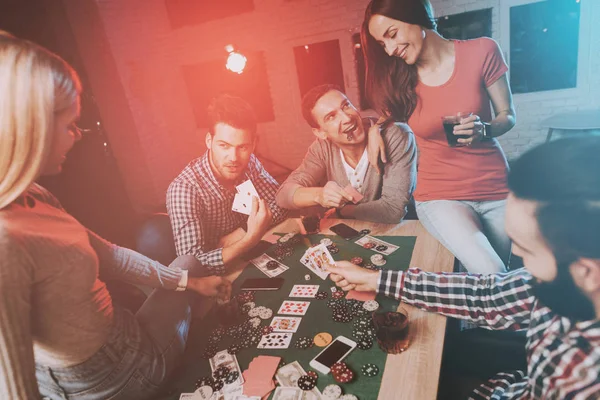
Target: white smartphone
(335,352)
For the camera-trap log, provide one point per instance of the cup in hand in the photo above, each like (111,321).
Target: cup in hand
(449,122)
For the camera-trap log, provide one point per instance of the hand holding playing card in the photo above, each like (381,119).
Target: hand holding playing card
(259,220)
(349,276)
(332,195)
(210,286)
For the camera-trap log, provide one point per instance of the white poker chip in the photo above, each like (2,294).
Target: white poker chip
(332,392)
(255,322)
(265,313)
(371,305)
(348,397)
(250,304)
(204,392)
(378,260)
(326,241)
(333,289)
(307,277)
(254,312)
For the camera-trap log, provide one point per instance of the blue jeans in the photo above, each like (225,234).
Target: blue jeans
(138,357)
(472,230)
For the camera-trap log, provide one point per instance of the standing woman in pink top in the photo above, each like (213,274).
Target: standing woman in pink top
(415,75)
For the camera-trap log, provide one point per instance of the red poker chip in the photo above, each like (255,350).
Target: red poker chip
(369,245)
(312,374)
(344,377)
(338,367)
(266,330)
(356,260)
(338,294)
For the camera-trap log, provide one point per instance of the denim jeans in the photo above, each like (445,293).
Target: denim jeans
(472,230)
(139,355)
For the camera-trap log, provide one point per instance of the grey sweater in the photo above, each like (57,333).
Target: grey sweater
(54,308)
(386,196)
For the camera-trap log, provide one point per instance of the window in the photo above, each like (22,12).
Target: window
(467,25)
(544,43)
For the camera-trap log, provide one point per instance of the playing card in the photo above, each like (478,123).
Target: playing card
(285,324)
(356,195)
(290,307)
(261,262)
(377,245)
(242,203)
(304,291)
(316,259)
(247,188)
(275,340)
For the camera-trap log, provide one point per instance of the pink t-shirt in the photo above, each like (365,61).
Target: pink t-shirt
(477,172)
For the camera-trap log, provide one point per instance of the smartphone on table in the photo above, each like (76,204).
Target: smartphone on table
(344,231)
(262,284)
(335,352)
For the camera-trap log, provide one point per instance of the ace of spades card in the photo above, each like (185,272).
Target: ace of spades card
(275,340)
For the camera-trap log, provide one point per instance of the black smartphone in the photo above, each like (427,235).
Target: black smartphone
(256,251)
(344,231)
(262,284)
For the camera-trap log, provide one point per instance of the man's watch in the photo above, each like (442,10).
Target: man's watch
(487,131)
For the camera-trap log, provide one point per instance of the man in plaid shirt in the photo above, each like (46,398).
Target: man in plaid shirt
(199,200)
(553,218)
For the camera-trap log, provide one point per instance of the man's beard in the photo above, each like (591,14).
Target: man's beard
(564,297)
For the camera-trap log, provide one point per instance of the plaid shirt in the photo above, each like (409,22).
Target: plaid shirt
(200,209)
(563,356)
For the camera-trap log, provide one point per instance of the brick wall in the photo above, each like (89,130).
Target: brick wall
(148,55)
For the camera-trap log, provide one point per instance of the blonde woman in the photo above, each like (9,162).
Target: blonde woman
(60,334)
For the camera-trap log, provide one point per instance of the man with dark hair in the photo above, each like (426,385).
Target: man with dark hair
(553,219)
(335,172)
(200,199)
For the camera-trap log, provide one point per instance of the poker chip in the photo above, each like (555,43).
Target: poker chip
(204,392)
(338,294)
(369,245)
(254,312)
(248,306)
(322,339)
(344,376)
(378,260)
(265,313)
(304,342)
(266,330)
(209,352)
(332,392)
(348,397)
(204,381)
(271,265)
(254,322)
(307,277)
(356,260)
(370,370)
(234,349)
(312,374)
(365,231)
(231,377)
(221,372)
(364,343)
(381,247)
(326,241)
(371,305)
(331,247)
(321,295)
(307,382)
(218,384)
(338,367)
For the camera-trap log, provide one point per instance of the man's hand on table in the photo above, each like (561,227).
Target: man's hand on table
(352,277)
(211,286)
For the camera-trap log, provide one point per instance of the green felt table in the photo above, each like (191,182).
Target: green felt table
(317,319)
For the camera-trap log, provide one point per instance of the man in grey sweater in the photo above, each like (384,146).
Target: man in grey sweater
(335,172)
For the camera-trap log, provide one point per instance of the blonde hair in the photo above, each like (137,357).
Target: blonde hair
(35,84)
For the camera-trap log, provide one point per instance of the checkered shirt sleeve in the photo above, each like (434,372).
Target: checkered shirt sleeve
(185,207)
(498,301)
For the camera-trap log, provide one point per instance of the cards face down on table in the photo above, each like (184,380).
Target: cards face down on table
(275,340)
(290,307)
(269,266)
(380,246)
(242,202)
(316,259)
(259,377)
(309,291)
(285,324)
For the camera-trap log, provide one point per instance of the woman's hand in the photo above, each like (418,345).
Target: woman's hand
(469,126)
(375,145)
